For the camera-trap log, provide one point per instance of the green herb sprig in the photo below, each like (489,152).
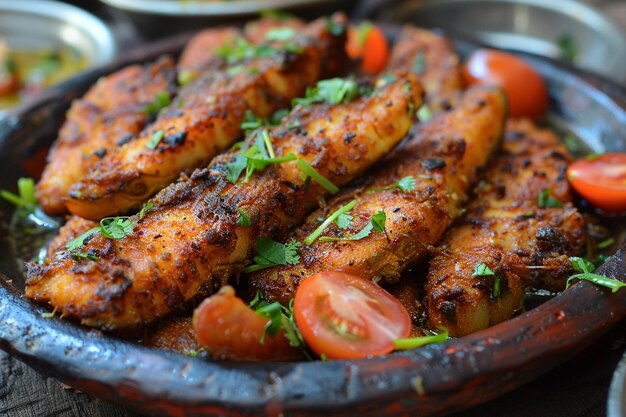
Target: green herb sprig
(547,201)
(376,223)
(586,269)
(281,318)
(330,219)
(406,184)
(271,253)
(482,270)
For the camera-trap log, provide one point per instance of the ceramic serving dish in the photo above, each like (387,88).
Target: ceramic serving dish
(432,380)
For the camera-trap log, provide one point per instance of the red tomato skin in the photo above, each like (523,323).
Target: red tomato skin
(312,318)
(601,180)
(229,329)
(525,89)
(374,53)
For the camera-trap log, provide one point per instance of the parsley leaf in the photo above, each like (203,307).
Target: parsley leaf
(116,227)
(415,342)
(547,201)
(241,49)
(482,270)
(25,199)
(331,91)
(281,318)
(271,253)
(586,268)
(377,223)
(405,185)
(244,219)
(344,221)
(149,206)
(155,139)
(236,167)
(333,217)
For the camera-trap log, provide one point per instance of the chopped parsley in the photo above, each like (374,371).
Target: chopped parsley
(376,223)
(405,185)
(235,167)
(155,139)
(309,172)
(185,77)
(335,216)
(415,342)
(25,198)
(281,318)
(547,201)
(244,219)
(331,91)
(586,269)
(482,270)
(241,50)
(271,253)
(252,122)
(110,227)
(161,101)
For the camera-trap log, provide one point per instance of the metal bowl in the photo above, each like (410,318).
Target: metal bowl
(431,381)
(31,24)
(616,406)
(156,18)
(534,26)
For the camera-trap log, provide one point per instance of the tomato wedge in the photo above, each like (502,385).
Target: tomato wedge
(601,180)
(342,316)
(524,87)
(229,329)
(368,43)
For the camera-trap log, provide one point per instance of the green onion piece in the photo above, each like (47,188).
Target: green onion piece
(343,209)
(80,240)
(606,243)
(586,268)
(311,172)
(155,139)
(415,342)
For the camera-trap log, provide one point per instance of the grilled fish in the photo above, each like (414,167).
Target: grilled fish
(432,58)
(443,159)
(522,241)
(205,118)
(113,109)
(191,242)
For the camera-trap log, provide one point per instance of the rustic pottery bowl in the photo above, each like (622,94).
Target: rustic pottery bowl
(432,380)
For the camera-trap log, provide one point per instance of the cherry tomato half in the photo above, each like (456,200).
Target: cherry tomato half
(230,329)
(343,316)
(601,180)
(523,85)
(368,43)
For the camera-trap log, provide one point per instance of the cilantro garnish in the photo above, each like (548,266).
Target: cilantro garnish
(110,227)
(25,199)
(235,167)
(405,185)
(335,216)
(415,342)
(241,49)
(586,268)
(482,270)
(547,201)
(252,122)
(331,91)
(271,253)
(376,223)
(244,219)
(281,317)
(161,101)
(156,137)
(309,172)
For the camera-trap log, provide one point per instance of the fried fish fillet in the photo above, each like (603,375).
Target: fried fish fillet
(506,228)
(111,110)
(443,159)
(433,59)
(205,118)
(192,242)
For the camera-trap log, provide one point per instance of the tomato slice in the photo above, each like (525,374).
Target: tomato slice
(524,87)
(370,44)
(229,329)
(601,180)
(342,316)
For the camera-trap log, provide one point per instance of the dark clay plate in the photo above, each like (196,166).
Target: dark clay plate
(432,380)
